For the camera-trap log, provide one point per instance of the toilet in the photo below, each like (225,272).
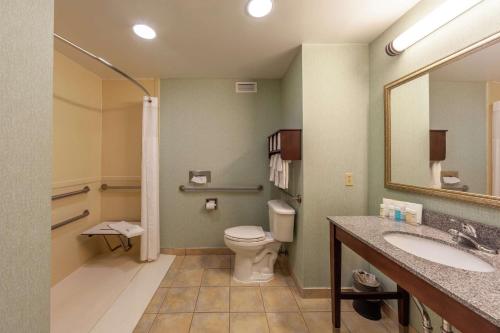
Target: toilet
(257,250)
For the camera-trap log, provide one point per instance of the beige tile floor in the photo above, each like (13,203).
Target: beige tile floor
(198,295)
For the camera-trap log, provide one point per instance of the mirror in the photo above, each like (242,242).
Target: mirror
(442,127)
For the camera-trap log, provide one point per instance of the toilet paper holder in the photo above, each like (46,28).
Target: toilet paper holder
(209,202)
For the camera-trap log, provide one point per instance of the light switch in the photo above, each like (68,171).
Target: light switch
(348,179)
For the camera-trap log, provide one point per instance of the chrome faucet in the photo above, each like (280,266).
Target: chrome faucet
(468,237)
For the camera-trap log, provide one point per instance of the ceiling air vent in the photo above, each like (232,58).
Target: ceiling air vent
(246,87)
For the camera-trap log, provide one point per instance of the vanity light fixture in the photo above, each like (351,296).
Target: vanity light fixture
(259,8)
(144,31)
(440,16)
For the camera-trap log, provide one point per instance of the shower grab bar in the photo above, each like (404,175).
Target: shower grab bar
(86,189)
(105,187)
(296,197)
(71,220)
(257,188)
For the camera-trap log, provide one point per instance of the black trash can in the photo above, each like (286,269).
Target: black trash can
(366,282)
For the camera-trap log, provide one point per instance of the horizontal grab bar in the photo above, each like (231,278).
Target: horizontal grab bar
(257,188)
(105,187)
(69,194)
(70,220)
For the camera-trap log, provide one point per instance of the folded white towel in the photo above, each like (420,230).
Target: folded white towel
(128,230)
(284,175)
(271,168)
(451,180)
(278,168)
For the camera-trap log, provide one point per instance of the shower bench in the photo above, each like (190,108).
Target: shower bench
(102,229)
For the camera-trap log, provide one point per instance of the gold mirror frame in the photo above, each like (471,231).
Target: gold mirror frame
(481,199)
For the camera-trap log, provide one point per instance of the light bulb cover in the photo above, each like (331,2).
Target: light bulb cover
(259,8)
(440,16)
(144,31)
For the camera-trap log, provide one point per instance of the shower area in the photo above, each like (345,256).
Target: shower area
(105,169)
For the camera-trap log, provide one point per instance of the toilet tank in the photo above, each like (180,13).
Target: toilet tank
(281,218)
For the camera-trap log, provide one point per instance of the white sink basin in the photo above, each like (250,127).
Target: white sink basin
(438,252)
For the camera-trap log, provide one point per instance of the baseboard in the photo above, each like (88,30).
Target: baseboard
(309,292)
(197,251)
(393,315)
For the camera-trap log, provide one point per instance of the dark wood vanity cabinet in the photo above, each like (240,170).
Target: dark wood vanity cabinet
(287,143)
(437,145)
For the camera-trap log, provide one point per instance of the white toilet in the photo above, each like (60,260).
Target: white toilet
(257,250)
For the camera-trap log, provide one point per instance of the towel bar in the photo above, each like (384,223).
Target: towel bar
(257,188)
(69,194)
(105,187)
(70,220)
(297,197)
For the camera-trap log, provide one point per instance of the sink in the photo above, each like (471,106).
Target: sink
(437,252)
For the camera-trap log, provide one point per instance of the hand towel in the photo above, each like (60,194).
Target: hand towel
(128,230)
(271,168)
(278,168)
(284,175)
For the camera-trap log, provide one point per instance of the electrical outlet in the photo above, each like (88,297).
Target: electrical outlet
(348,179)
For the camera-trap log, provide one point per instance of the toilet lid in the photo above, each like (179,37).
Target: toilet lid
(247,233)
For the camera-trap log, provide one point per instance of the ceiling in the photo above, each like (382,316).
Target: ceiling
(214,38)
(483,65)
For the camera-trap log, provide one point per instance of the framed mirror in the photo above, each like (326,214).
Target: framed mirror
(442,127)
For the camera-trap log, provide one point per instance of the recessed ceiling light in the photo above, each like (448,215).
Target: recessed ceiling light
(144,31)
(259,8)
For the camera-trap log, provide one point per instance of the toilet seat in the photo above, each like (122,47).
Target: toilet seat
(245,234)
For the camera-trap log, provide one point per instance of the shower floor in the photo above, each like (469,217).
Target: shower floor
(107,294)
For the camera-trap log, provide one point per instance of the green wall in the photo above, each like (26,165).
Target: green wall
(410,129)
(325,91)
(291,117)
(460,108)
(335,88)
(26,159)
(481,21)
(206,125)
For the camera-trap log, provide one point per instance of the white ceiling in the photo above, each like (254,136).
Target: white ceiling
(215,38)
(483,65)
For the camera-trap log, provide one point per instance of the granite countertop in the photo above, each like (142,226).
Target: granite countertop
(478,291)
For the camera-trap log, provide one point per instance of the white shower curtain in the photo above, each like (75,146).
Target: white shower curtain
(495,145)
(150,209)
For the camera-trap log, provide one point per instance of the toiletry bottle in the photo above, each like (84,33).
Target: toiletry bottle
(403,214)
(382,210)
(397,214)
(391,212)
(411,216)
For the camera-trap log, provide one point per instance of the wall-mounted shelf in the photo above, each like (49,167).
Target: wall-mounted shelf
(287,143)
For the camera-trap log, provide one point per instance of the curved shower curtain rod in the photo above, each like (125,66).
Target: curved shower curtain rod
(106,63)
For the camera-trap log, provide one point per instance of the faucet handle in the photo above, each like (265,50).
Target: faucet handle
(469,230)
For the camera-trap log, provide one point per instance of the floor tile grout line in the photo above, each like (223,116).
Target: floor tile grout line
(264,306)
(150,327)
(194,310)
(229,310)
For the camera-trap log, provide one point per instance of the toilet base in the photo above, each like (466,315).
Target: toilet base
(254,263)
(256,277)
